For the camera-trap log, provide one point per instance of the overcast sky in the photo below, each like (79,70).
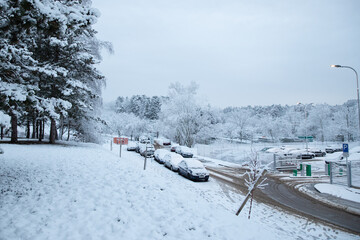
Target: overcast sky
(239,52)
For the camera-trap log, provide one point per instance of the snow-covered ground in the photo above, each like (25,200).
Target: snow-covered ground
(88,192)
(347,193)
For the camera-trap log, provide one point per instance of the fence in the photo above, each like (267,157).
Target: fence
(355,173)
(285,163)
(342,174)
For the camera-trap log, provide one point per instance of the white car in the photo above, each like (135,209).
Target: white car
(172,160)
(132,146)
(163,141)
(159,155)
(302,154)
(193,169)
(184,151)
(146,149)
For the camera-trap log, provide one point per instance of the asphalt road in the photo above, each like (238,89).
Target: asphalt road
(288,198)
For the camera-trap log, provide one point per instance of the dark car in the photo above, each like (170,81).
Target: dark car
(317,152)
(332,149)
(193,169)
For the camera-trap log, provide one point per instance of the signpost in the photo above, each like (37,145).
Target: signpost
(121,141)
(346,150)
(348,167)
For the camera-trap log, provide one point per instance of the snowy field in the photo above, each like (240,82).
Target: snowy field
(88,192)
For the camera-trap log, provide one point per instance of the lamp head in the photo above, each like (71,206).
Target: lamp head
(336,66)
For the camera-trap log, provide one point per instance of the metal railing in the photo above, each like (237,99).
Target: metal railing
(282,162)
(345,174)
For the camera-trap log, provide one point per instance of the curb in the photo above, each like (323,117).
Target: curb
(303,189)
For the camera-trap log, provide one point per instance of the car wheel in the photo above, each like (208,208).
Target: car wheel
(171,168)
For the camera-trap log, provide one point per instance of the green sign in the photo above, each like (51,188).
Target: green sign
(305,137)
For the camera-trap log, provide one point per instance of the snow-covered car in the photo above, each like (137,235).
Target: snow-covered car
(166,142)
(163,141)
(193,169)
(144,139)
(284,152)
(159,155)
(132,146)
(302,154)
(146,149)
(184,151)
(173,147)
(172,160)
(273,150)
(265,149)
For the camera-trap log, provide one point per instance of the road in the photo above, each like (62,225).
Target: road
(286,197)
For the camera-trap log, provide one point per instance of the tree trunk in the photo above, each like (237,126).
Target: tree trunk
(251,200)
(52,130)
(37,128)
(14,137)
(61,133)
(34,128)
(28,128)
(40,131)
(43,129)
(2,132)
(68,137)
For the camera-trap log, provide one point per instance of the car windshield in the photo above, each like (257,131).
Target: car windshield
(195,164)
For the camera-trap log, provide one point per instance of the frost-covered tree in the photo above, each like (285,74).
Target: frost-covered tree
(52,48)
(240,120)
(181,114)
(16,61)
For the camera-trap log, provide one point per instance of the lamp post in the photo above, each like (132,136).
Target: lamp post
(357,87)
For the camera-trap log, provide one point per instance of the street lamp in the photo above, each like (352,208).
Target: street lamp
(357,87)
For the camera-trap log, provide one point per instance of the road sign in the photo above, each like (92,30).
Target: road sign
(120,140)
(305,137)
(345,150)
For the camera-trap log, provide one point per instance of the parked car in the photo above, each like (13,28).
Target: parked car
(159,155)
(132,146)
(163,141)
(317,152)
(172,160)
(331,149)
(173,147)
(193,169)
(184,151)
(137,149)
(144,139)
(302,154)
(146,149)
(166,142)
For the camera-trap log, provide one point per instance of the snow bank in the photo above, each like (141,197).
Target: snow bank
(343,192)
(88,192)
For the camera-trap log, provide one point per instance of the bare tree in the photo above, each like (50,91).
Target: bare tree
(255,174)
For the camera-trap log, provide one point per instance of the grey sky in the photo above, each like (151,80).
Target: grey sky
(239,52)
